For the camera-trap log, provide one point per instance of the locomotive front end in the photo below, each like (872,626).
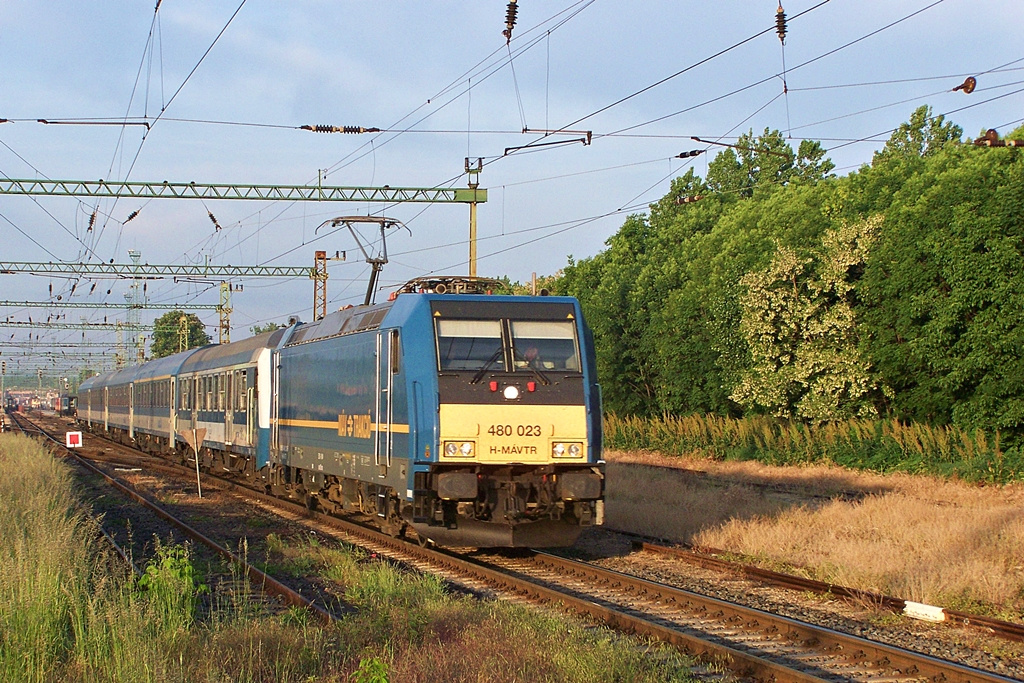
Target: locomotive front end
(518,459)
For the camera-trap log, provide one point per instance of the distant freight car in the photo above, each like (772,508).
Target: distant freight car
(470,418)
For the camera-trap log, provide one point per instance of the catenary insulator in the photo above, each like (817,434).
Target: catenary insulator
(510,20)
(322,128)
(780,24)
(968,85)
(213,219)
(132,215)
(689,200)
(691,153)
(989,139)
(92,221)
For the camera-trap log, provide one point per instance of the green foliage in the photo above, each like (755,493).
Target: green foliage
(877,445)
(545,283)
(166,336)
(923,135)
(798,322)
(765,161)
(893,291)
(171,585)
(266,327)
(371,670)
(942,291)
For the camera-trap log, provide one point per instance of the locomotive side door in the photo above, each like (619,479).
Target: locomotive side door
(387,362)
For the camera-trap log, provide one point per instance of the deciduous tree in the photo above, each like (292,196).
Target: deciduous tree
(166,328)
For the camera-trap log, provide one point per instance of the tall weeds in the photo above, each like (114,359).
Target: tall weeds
(66,615)
(67,611)
(878,445)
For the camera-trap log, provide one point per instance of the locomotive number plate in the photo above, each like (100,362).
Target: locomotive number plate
(514,430)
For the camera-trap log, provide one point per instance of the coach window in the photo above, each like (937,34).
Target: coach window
(240,390)
(243,386)
(469,344)
(545,345)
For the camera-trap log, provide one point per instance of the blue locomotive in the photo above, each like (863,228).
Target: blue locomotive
(470,418)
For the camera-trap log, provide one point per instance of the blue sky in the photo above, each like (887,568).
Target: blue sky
(439,71)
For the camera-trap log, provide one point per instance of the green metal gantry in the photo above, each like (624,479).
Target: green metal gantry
(103,306)
(55,345)
(109,327)
(129,271)
(294,193)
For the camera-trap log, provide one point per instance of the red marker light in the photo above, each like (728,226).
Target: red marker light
(494,386)
(531,386)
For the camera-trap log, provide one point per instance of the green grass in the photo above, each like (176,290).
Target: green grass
(414,628)
(875,445)
(68,614)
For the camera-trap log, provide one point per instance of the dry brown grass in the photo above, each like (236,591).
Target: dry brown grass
(919,538)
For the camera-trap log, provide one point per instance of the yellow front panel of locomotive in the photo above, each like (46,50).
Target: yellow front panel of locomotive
(512,433)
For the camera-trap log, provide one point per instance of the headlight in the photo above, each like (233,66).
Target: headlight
(566,450)
(459,449)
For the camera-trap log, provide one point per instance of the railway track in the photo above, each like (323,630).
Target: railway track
(751,643)
(264,584)
(707,558)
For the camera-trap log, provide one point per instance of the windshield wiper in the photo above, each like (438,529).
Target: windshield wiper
(529,364)
(486,366)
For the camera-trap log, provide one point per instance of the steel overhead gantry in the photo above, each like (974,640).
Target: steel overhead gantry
(135,271)
(128,271)
(72,357)
(293,193)
(103,306)
(108,327)
(471,195)
(14,344)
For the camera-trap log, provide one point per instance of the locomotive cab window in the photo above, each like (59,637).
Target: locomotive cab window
(545,345)
(470,344)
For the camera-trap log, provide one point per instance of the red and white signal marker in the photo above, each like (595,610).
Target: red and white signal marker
(73,439)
